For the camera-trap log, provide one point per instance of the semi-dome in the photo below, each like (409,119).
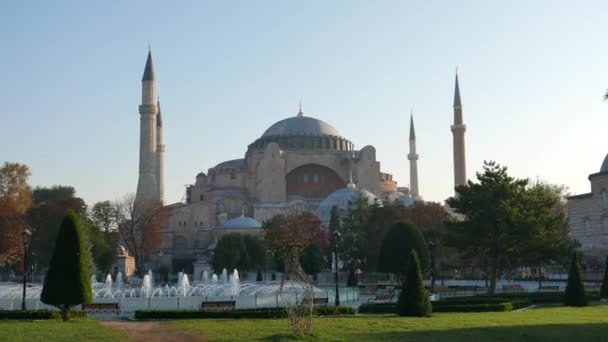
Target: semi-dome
(604,167)
(242,222)
(341,198)
(301,125)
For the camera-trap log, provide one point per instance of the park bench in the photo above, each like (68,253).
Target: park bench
(315,301)
(219,305)
(549,289)
(383,297)
(437,288)
(100,306)
(512,288)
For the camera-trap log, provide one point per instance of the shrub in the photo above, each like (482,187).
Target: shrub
(575,290)
(414,299)
(237,314)
(38,314)
(68,281)
(506,306)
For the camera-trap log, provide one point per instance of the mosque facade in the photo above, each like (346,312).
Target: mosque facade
(298,164)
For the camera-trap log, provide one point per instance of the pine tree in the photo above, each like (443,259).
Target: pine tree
(414,299)
(68,281)
(575,290)
(604,289)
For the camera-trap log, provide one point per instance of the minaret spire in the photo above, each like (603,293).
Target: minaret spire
(300,112)
(147,184)
(458,130)
(413,158)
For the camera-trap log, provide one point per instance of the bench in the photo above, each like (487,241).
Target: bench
(382,298)
(512,288)
(219,305)
(315,301)
(100,306)
(548,289)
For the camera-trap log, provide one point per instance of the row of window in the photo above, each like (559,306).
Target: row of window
(184,223)
(314,178)
(589,226)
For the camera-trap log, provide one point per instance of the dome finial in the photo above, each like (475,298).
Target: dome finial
(300,113)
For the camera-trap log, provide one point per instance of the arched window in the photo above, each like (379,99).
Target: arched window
(604,195)
(180,242)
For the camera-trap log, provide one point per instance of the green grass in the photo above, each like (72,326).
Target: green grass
(53,330)
(547,324)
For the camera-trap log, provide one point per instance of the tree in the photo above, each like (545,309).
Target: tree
(12,224)
(286,237)
(575,289)
(335,225)
(400,240)
(14,189)
(492,229)
(353,232)
(103,215)
(414,299)
(237,251)
(604,289)
(55,193)
(68,281)
(139,226)
(312,260)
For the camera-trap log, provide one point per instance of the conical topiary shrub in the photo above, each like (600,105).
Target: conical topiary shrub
(414,299)
(604,289)
(575,289)
(68,281)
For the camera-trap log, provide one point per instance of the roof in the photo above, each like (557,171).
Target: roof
(412,132)
(342,198)
(233,163)
(301,125)
(457,101)
(149,70)
(604,164)
(159,119)
(242,222)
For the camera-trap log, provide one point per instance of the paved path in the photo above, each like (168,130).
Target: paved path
(150,331)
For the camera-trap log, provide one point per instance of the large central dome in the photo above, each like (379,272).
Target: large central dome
(303,132)
(301,125)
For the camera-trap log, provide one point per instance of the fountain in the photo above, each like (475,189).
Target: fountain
(205,277)
(147,285)
(224,276)
(119,283)
(109,283)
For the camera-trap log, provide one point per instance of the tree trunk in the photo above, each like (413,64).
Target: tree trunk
(493,276)
(65,313)
(540,277)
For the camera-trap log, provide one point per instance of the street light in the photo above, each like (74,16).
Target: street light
(432,249)
(336,237)
(25,234)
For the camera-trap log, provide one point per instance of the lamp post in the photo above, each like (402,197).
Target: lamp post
(336,237)
(25,234)
(432,250)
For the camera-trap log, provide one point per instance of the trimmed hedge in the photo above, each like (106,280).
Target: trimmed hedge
(506,306)
(236,314)
(378,308)
(39,314)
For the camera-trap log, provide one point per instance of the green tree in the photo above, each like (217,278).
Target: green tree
(103,215)
(68,281)
(335,225)
(312,260)
(492,228)
(234,250)
(380,219)
(401,239)
(353,232)
(54,193)
(575,289)
(604,289)
(414,299)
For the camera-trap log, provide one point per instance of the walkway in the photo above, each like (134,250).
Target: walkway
(150,331)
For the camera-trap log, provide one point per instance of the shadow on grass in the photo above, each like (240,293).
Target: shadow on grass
(552,333)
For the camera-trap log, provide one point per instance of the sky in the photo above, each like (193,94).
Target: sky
(532,76)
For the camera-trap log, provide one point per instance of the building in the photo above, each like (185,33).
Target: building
(588,214)
(300,163)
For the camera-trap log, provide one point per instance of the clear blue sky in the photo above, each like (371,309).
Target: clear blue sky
(532,77)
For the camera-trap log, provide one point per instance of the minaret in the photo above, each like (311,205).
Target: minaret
(146,185)
(413,158)
(160,156)
(458,129)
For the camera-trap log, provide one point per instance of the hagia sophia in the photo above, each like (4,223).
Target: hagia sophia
(300,163)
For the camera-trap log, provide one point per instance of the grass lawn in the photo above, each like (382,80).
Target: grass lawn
(547,324)
(52,330)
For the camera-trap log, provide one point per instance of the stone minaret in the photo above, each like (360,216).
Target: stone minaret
(146,185)
(413,158)
(160,156)
(458,129)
